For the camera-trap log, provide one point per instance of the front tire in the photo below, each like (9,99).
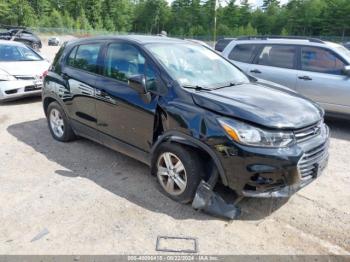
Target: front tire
(58,122)
(178,170)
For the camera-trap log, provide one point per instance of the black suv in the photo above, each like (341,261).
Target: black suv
(187,112)
(21,34)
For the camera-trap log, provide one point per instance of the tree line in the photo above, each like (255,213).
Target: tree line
(186,18)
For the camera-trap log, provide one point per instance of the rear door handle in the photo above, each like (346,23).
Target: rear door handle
(255,71)
(306,78)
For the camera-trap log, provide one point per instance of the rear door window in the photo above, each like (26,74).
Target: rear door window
(320,60)
(243,53)
(85,57)
(278,56)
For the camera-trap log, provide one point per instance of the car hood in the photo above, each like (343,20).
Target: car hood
(261,103)
(25,68)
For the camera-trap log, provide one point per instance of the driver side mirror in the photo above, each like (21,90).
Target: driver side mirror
(138,83)
(347,70)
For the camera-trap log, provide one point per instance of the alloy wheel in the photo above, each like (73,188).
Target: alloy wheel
(171,174)
(56,123)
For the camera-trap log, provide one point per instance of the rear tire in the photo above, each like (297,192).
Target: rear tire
(178,170)
(58,122)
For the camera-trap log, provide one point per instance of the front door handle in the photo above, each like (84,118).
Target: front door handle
(255,71)
(306,78)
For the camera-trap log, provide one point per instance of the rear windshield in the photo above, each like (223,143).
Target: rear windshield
(11,53)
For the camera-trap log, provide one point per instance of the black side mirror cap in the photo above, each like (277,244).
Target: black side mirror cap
(138,83)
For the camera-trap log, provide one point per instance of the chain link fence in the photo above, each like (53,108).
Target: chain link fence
(205,38)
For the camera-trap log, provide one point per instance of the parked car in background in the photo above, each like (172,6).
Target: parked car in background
(316,69)
(347,45)
(187,112)
(222,43)
(55,41)
(21,34)
(21,71)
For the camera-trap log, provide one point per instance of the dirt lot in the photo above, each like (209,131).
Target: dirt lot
(81,198)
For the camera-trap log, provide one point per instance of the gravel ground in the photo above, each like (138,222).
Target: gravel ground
(82,198)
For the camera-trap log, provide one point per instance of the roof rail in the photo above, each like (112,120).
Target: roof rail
(266,37)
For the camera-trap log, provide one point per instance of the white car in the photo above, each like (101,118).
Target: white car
(21,71)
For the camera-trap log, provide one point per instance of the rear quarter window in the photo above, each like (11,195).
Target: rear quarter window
(56,61)
(221,44)
(243,53)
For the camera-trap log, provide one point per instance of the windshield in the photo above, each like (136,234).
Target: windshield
(17,53)
(197,66)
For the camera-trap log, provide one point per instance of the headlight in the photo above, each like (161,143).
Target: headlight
(4,76)
(253,136)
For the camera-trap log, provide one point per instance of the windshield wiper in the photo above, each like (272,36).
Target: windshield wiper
(196,87)
(229,84)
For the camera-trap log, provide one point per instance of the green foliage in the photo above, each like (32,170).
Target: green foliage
(185,18)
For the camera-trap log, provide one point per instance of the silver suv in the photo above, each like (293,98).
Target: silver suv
(319,70)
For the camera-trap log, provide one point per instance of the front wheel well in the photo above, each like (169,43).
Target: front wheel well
(47,102)
(205,157)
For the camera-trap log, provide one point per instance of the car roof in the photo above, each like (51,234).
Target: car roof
(285,40)
(290,41)
(281,41)
(140,39)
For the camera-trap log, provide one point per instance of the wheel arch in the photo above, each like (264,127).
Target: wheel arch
(47,100)
(180,138)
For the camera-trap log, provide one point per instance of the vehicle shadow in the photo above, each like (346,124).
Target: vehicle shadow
(123,176)
(21,101)
(340,128)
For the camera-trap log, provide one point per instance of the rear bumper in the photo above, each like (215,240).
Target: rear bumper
(19,88)
(274,172)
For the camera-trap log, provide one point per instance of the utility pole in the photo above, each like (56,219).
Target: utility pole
(215,7)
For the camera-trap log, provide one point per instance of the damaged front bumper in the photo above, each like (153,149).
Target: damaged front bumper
(274,172)
(285,191)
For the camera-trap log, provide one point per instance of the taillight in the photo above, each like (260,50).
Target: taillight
(44,75)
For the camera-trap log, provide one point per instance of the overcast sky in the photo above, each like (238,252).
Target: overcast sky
(259,2)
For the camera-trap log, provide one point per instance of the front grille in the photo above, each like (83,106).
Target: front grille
(308,132)
(12,91)
(32,88)
(25,77)
(308,164)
